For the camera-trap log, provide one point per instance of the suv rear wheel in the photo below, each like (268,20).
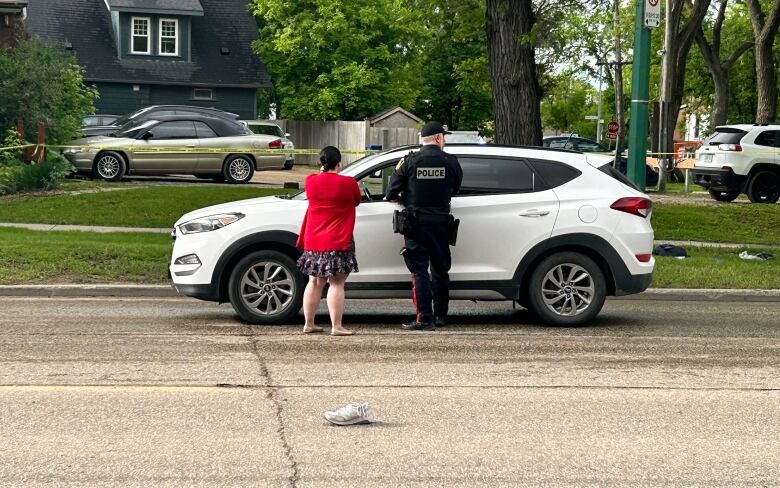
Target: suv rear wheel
(567,289)
(724,196)
(764,187)
(266,288)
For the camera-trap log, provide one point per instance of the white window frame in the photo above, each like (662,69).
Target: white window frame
(148,35)
(160,37)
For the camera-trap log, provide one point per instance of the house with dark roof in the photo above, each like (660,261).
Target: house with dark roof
(154,52)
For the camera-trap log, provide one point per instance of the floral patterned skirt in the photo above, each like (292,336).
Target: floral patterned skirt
(328,263)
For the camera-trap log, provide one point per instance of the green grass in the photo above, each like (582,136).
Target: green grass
(82,257)
(151,206)
(739,223)
(716,268)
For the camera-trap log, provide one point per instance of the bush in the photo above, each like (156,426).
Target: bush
(41,82)
(16,176)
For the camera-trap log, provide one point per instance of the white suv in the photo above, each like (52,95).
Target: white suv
(741,159)
(556,231)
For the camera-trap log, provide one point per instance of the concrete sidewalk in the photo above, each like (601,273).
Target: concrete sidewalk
(166,291)
(166,230)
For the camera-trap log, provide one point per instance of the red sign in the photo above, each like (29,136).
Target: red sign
(611,135)
(613,127)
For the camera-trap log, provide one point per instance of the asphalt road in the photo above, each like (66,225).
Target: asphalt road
(175,392)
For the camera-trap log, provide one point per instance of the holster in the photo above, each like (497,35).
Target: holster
(452,226)
(404,222)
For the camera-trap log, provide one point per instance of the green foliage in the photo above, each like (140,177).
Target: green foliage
(42,82)
(10,157)
(333,59)
(565,105)
(456,77)
(47,175)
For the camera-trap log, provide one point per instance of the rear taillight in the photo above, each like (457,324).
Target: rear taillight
(275,144)
(643,258)
(638,206)
(730,147)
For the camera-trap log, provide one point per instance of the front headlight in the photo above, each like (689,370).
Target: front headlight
(208,224)
(77,150)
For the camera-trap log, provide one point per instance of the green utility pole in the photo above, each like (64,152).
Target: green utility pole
(640,93)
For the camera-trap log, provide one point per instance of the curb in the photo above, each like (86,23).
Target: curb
(166,291)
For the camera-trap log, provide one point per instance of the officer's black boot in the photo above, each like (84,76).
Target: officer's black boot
(415,325)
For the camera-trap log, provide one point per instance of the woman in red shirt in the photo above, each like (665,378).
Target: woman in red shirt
(327,241)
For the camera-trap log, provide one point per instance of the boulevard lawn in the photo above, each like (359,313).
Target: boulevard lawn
(84,257)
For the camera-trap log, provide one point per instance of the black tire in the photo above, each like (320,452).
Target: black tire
(273,303)
(238,169)
(289,164)
(724,196)
(572,265)
(764,187)
(109,166)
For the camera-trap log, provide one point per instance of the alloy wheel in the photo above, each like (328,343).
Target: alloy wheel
(240,169)
(267,288)
(108,167)
(568,289)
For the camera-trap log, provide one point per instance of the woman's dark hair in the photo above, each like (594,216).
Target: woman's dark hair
(330,157)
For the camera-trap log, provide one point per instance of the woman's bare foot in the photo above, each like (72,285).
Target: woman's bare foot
(341,332)
(311,329)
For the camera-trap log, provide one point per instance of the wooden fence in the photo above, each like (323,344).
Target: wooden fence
(345,135)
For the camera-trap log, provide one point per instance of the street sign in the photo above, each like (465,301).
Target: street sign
(613,127)
(652,13)
(612,135)
(591,117)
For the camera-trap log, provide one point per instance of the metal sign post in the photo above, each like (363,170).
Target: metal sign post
(640,93)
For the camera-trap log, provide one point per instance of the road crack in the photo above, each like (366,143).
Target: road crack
(272,392)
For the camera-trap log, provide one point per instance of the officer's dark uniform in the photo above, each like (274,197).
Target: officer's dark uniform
(425,181)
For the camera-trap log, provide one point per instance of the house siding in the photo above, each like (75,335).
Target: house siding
(119,98)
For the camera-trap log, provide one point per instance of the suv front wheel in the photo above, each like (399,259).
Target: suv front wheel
(266,288)
(567,289)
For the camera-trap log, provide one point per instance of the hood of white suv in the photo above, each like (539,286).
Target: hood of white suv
(252,206)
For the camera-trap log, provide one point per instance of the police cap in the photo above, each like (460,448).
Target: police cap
(432,128)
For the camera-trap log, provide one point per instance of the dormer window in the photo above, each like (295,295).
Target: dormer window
(140,44)
(169,37)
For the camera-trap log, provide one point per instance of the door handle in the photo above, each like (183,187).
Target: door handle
(191,145)
(534,213)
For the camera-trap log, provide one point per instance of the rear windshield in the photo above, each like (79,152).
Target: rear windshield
(608,169)
(725,136)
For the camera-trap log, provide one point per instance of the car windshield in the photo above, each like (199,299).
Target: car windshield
(131,129)
(725,136)
(129,116)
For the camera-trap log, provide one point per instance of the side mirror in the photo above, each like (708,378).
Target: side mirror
(148,135)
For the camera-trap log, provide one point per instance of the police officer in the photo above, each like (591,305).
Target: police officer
(424,181)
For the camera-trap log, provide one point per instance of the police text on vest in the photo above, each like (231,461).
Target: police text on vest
(431,173)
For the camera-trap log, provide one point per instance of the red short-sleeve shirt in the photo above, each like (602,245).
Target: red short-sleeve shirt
(330,218)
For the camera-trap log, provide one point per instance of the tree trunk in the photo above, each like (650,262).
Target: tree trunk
(720,103)
(766,77)
(764,29)
(516,91)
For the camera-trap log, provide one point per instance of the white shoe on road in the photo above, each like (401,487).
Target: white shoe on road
(352,414)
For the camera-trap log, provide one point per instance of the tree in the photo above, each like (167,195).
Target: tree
(685,22)
(765,29)
(720,65)
(48,71)
(334,59)
(566,104)
(511,56)
(456,81)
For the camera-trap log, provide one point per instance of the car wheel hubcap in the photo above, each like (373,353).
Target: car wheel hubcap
(568,290)
(239,169)
(267,288)
(108,167)
(767,187)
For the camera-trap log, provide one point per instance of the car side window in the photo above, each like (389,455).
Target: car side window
(376,182)
(553,173)
(204,131)
(180,129)
(91,121)
(490,176)
(768,138)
